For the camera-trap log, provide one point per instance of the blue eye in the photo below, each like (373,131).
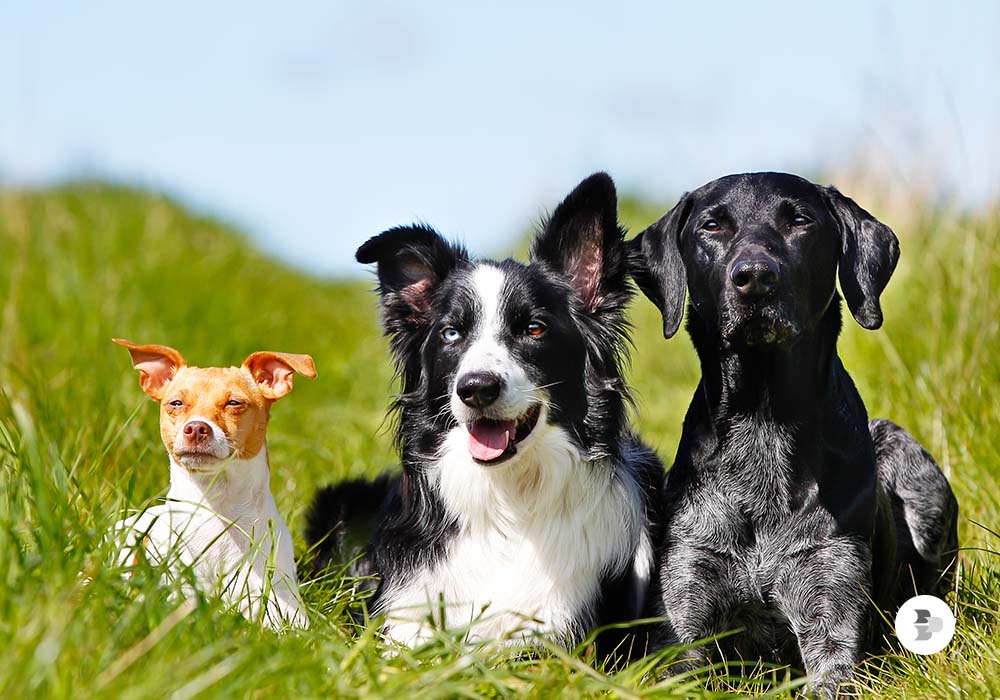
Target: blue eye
(450,334)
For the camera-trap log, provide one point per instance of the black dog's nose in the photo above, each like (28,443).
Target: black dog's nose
(479,389)
(754,276)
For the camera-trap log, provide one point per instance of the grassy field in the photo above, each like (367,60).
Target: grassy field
(79,443)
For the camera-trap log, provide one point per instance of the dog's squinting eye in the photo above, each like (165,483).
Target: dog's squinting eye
(801,220)
(450,334)
(176,403)
(234,402)
(535,328)
(712,226)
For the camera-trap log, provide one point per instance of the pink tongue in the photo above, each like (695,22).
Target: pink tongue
(487,439)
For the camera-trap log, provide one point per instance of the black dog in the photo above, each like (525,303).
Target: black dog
(523,486)
(783,518)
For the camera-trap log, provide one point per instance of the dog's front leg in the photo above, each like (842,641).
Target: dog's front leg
(696,601)
(825,594)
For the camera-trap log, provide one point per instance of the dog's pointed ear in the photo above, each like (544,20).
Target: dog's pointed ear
(657,268)
(583,242)
(869,253)
(274,371)
(157,365)
(411,262)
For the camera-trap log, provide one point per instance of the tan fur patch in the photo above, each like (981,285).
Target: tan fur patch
(206,392)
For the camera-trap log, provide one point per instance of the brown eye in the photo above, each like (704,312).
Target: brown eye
(801,220)
(176,403)
(234,402)
(712,226)
(535,328)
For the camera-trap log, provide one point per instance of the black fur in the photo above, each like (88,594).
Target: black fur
(341,520)
(782,516)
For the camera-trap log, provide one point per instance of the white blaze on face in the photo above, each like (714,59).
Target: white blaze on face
(487,352)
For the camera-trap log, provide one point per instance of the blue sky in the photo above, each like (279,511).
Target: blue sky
(314,126)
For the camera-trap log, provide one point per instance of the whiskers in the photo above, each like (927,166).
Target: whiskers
(538,395)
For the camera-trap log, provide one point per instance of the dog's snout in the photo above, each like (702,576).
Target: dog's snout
(479,389)
(754,276)
(197,431)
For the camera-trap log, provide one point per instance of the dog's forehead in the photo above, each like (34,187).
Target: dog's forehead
(757,191)
(212,381)
(497,284)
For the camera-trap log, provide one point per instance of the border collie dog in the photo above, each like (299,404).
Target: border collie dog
(526,503)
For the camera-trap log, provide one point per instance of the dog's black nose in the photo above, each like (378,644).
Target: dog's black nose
(197,430)
(479,389)
(754,276)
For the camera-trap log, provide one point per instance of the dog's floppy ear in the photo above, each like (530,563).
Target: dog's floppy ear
(583,242)
(869,253)
(411,262)
(274,371)
(657,268)
(157,365)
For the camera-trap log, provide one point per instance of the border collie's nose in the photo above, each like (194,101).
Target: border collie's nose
(754,275)
(479,389)
(197,431)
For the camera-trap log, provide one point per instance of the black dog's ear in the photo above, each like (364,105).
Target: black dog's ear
(583,242)
(411,261)
(869,253)
(657,268)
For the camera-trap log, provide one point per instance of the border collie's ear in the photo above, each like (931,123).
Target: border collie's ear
(412,261)
(869,253)
(657,268)
(583,242)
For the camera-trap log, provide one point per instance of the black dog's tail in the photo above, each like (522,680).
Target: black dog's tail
(924,509)
(342,520)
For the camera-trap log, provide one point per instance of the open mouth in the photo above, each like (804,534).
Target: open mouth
(493,441)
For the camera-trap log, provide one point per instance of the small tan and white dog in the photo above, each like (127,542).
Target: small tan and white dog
(219,520)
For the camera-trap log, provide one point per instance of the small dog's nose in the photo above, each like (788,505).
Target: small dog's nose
(479,389)
(197,430)
(754,276)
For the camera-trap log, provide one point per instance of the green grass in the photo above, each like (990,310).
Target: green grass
(79,442)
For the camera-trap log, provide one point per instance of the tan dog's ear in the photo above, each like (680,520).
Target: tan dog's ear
(157,365)
(273,371)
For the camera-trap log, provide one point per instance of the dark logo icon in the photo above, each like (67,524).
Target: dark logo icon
(927,625)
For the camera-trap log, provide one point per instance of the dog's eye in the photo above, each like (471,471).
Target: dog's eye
(712,226)
(451,334)
(234,402)
(176,403)
(535,328)
(801,220)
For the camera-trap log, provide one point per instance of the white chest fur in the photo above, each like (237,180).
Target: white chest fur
(226,529)
(535,538)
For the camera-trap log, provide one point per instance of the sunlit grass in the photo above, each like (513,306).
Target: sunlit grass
(79,444)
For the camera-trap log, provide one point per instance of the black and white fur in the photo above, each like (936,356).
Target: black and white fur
(553,535)
(786,512)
